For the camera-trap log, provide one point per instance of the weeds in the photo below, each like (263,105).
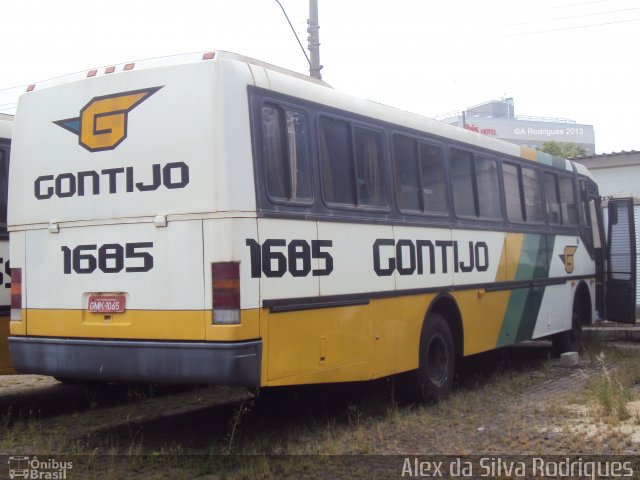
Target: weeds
(610,392)
(240,413)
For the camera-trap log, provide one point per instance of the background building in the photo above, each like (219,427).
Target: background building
(618,175)
(497,118)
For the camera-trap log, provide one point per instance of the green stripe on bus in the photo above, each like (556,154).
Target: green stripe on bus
(524,304)
(551,160)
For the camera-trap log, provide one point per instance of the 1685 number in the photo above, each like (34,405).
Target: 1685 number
(294,257)
(110,258)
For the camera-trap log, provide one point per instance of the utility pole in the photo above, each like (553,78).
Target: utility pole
(314,41)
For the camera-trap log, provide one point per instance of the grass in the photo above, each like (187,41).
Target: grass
(487,413)
(610,392)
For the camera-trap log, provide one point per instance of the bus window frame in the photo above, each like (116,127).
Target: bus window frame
(320,210)
(526,222)
(475,154)
(418,140)
(352,123)
(283,107)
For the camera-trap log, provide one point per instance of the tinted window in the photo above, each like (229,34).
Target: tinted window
(434,191)
(405,156)
(420,176)
(285,143)
(462,183)
(568,201)
(371,169)
(488,190)
(584,193)
(335,161)
(532,195)
(512,192)
(551,194)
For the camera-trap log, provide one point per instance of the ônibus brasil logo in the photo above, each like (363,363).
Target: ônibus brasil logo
(102,124)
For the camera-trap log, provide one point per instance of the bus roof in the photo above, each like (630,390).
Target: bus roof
(280,79)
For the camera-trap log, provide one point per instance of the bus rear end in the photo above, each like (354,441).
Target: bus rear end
(119,210)
(6,125)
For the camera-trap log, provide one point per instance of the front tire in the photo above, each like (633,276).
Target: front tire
(437,359)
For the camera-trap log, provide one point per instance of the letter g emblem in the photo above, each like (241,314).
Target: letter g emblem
(102,124)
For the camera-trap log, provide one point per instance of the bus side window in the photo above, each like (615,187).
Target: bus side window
(462,183)
(336,164)
(568,201)
(512,192)
(286,154)
(584,210)
(532,195)
(434,193)
(420,176)
(371,168)
(488,189)
(551,194)
(407,176)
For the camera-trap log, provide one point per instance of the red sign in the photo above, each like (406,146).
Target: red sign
(111,303)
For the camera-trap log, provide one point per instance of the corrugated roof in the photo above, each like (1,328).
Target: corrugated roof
(612,154)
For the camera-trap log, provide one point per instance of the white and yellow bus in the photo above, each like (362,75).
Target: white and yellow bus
(6,125)
(214,219)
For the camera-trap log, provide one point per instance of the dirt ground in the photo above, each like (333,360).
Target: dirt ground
(515,401)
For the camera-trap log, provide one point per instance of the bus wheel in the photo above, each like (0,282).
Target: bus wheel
(571,340)
(437,359)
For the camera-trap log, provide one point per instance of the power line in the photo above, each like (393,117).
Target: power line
(294,32)
(13,88)
(518,34)
(571,17)
(576,4)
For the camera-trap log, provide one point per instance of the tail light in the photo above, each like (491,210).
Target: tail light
(16,294)
(225,286)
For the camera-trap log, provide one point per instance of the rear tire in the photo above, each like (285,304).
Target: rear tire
(437,359)
(571,340)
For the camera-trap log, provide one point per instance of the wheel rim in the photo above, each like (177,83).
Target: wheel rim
(437,361)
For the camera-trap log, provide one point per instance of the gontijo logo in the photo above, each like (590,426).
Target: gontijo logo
(102,124)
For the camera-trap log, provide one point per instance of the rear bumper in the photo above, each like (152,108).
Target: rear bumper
(222,363)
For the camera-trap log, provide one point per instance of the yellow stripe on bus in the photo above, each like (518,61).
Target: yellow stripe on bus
(5,360)
(140,324)
(528,153)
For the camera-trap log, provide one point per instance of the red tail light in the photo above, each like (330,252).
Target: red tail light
(16,294)
(225,287)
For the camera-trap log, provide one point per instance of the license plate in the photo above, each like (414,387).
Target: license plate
(106,303)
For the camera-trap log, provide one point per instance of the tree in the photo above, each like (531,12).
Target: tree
(562,149)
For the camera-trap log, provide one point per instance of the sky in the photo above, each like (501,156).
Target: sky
(575,59)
